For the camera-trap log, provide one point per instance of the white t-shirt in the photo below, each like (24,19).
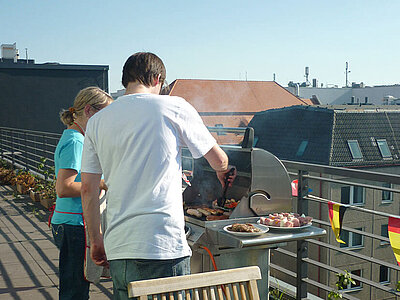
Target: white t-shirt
(136,143)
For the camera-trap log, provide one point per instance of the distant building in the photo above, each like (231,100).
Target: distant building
(343,136)
(32,95)
(357,94)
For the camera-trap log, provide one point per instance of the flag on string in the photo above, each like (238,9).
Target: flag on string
(394,236)
(336,213)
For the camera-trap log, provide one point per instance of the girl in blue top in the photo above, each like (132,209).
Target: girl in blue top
(67,222)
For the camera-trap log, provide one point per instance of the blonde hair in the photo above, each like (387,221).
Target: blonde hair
(94,96)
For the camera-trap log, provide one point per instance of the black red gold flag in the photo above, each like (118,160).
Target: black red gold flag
(394,236)
(336,213)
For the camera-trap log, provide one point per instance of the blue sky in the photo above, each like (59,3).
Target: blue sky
(215,39)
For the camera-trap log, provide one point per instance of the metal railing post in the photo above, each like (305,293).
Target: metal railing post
(12,150)
(302,191)
(302,246)
(1,143)
(26,152)
(44,167)
(302,270)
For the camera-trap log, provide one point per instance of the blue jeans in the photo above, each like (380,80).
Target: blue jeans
(124,271)
(70,240)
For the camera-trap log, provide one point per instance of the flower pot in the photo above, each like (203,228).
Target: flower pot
(22,189)
(35,196)
(47,202)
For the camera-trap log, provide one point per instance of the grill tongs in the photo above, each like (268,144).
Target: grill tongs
(221,200)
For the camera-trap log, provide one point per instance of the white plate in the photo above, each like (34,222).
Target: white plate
(262,227)
(286,228)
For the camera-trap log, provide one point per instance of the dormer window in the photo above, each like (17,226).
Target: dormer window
(384,148)
(355,149)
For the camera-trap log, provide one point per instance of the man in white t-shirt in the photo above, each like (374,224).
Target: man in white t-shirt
(136,143)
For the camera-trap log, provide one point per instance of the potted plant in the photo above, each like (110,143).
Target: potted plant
(24,181)
(48,194)
(35,191)
(6,175)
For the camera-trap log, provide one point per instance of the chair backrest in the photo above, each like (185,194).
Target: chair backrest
(238,283)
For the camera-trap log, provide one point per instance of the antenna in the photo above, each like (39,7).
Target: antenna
(307,72)
(26,54)
(274,77)
(347,73)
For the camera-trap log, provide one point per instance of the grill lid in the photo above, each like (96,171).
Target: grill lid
(262,184)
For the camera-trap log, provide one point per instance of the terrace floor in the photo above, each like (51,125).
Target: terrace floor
(28,256)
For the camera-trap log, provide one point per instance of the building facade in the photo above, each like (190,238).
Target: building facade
(343,136)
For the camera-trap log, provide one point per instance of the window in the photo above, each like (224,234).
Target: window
(384,274)
(220,132)
(302,148)
(352,195)
(384,148)
(357,284)
(386,195)
(355,149)
(384,233)
(352,239)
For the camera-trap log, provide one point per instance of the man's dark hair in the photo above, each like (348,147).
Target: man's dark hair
(143,67)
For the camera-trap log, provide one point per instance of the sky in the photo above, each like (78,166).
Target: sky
(225,40)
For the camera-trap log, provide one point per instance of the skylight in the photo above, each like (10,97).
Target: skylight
(302,148)
(355,149)
(384,148)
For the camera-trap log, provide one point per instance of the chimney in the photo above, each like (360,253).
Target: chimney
(314,83)
(366,100)
(352,99)
(297,90)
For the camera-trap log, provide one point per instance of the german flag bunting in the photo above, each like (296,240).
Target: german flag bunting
(394,236)
(336,213)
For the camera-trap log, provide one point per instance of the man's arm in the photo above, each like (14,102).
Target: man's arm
(91,213)
(218,160)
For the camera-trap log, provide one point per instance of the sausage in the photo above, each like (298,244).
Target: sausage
(194,212)
(204,212)
(214,218)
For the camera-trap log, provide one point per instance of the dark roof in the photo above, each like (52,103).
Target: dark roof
(282,132)
(365,127)
(52,66)
(319,135)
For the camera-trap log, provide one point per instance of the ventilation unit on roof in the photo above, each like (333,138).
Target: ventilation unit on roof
(9,51)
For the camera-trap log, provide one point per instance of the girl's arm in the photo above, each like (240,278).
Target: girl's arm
(66,187)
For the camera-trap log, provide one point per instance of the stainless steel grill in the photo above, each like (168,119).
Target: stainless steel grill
(263,186)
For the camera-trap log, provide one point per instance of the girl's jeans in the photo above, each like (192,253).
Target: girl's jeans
(70,240)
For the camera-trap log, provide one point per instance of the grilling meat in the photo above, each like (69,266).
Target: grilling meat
(204,212)
(194,212)
(243,228)
(214,218)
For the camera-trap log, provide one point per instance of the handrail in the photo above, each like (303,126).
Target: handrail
(345,172)
(24,148)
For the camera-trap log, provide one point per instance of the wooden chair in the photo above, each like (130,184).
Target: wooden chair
(239,283)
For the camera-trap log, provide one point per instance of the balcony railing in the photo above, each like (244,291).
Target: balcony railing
(27,149)
(314,275)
